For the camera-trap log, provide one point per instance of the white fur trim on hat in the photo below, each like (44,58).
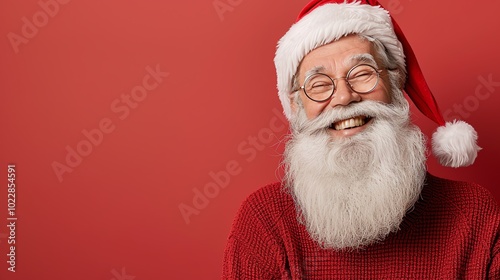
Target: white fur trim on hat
(324,25)
(454,144)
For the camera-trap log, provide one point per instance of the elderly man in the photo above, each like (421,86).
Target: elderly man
(356,201)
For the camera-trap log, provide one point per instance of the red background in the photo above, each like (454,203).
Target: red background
(119,208)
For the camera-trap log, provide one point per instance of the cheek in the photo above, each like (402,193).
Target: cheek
(385,92)
(312,109)
(382,96)
(386,96)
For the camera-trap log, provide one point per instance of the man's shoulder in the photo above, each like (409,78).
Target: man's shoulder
(271,197)
(464,195)
(268,204)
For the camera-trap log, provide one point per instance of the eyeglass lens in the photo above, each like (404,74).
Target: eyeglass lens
(361,78)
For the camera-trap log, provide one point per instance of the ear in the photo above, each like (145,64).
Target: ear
(401,78)
(295,95)
(294,104)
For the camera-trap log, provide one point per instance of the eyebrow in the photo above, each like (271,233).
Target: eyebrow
(315,70)
(349,61)
(360,58)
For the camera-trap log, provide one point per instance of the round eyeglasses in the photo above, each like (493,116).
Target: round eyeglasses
(362,78)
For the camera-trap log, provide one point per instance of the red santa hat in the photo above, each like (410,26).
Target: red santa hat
(324,21)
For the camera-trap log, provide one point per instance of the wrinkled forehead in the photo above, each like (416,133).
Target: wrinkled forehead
(346,64)
(338,56)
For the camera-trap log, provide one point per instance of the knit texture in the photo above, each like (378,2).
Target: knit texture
(452,233)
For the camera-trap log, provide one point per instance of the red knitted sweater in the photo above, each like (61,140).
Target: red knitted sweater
(452,233)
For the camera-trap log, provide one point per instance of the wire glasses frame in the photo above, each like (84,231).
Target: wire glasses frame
(362,78)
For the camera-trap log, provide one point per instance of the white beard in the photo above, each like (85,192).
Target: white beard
(354,191)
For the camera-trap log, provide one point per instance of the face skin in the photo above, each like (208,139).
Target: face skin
(337,58)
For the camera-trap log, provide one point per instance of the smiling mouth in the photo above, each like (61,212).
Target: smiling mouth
(350,123)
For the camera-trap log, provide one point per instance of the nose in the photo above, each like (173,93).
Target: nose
(343,94)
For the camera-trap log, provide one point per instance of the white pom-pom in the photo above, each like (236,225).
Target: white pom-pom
(454,144)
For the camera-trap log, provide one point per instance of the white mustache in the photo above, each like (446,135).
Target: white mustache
(368,108)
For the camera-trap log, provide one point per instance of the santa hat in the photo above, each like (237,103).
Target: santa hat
(324,21)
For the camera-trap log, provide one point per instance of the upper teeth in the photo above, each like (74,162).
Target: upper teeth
(350,123)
